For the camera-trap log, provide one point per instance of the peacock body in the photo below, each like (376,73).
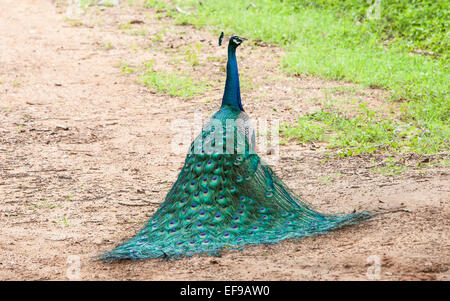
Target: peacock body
(225,196)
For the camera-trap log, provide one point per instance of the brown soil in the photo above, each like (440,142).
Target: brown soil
(84,157)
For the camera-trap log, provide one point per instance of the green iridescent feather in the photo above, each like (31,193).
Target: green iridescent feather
(225,197)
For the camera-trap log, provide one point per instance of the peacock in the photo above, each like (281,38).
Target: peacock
(225,197)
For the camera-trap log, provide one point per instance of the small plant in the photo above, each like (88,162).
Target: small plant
(139,32)
(84,4)
(330,178)
(17,83)
(153,4)
(125,68)
(108,46)
(157,37)
(43,204)
(65,222)
(74,22)
(125,26)
(129,29)
(26,118)
(216,59)
(191,54)
(247,84)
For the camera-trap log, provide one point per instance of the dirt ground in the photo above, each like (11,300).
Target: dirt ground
(84,157)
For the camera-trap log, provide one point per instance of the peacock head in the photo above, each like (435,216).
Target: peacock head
(235,41)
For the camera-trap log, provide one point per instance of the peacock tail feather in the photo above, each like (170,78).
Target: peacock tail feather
(225,200)
(225,196)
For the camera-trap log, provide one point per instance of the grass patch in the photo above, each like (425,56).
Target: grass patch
(86,3)
(162,82)
(125,68)
(108,46)
(125,26)
(391,167)
(364,133)
(139,32)
(338,40)
(64,222)
(329,179)
(419,26)
(74,22)
(170,83)
(191,54)
(43,204)
(128,28)
(246,83)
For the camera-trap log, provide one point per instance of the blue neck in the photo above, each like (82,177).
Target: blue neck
(232,93)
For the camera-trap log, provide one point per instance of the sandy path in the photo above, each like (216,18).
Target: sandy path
(84,160)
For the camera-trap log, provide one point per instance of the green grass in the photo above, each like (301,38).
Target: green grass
(125,26)
(335,40)
(191,54)
(128,28)
(170,83)
(391,167)
(43,204)
(330,178)
(415,24)
(108,46)
(86,3)
(125,68)
(64,221)
(364,133)
(139,32)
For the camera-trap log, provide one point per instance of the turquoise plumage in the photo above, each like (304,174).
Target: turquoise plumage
(224,196)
